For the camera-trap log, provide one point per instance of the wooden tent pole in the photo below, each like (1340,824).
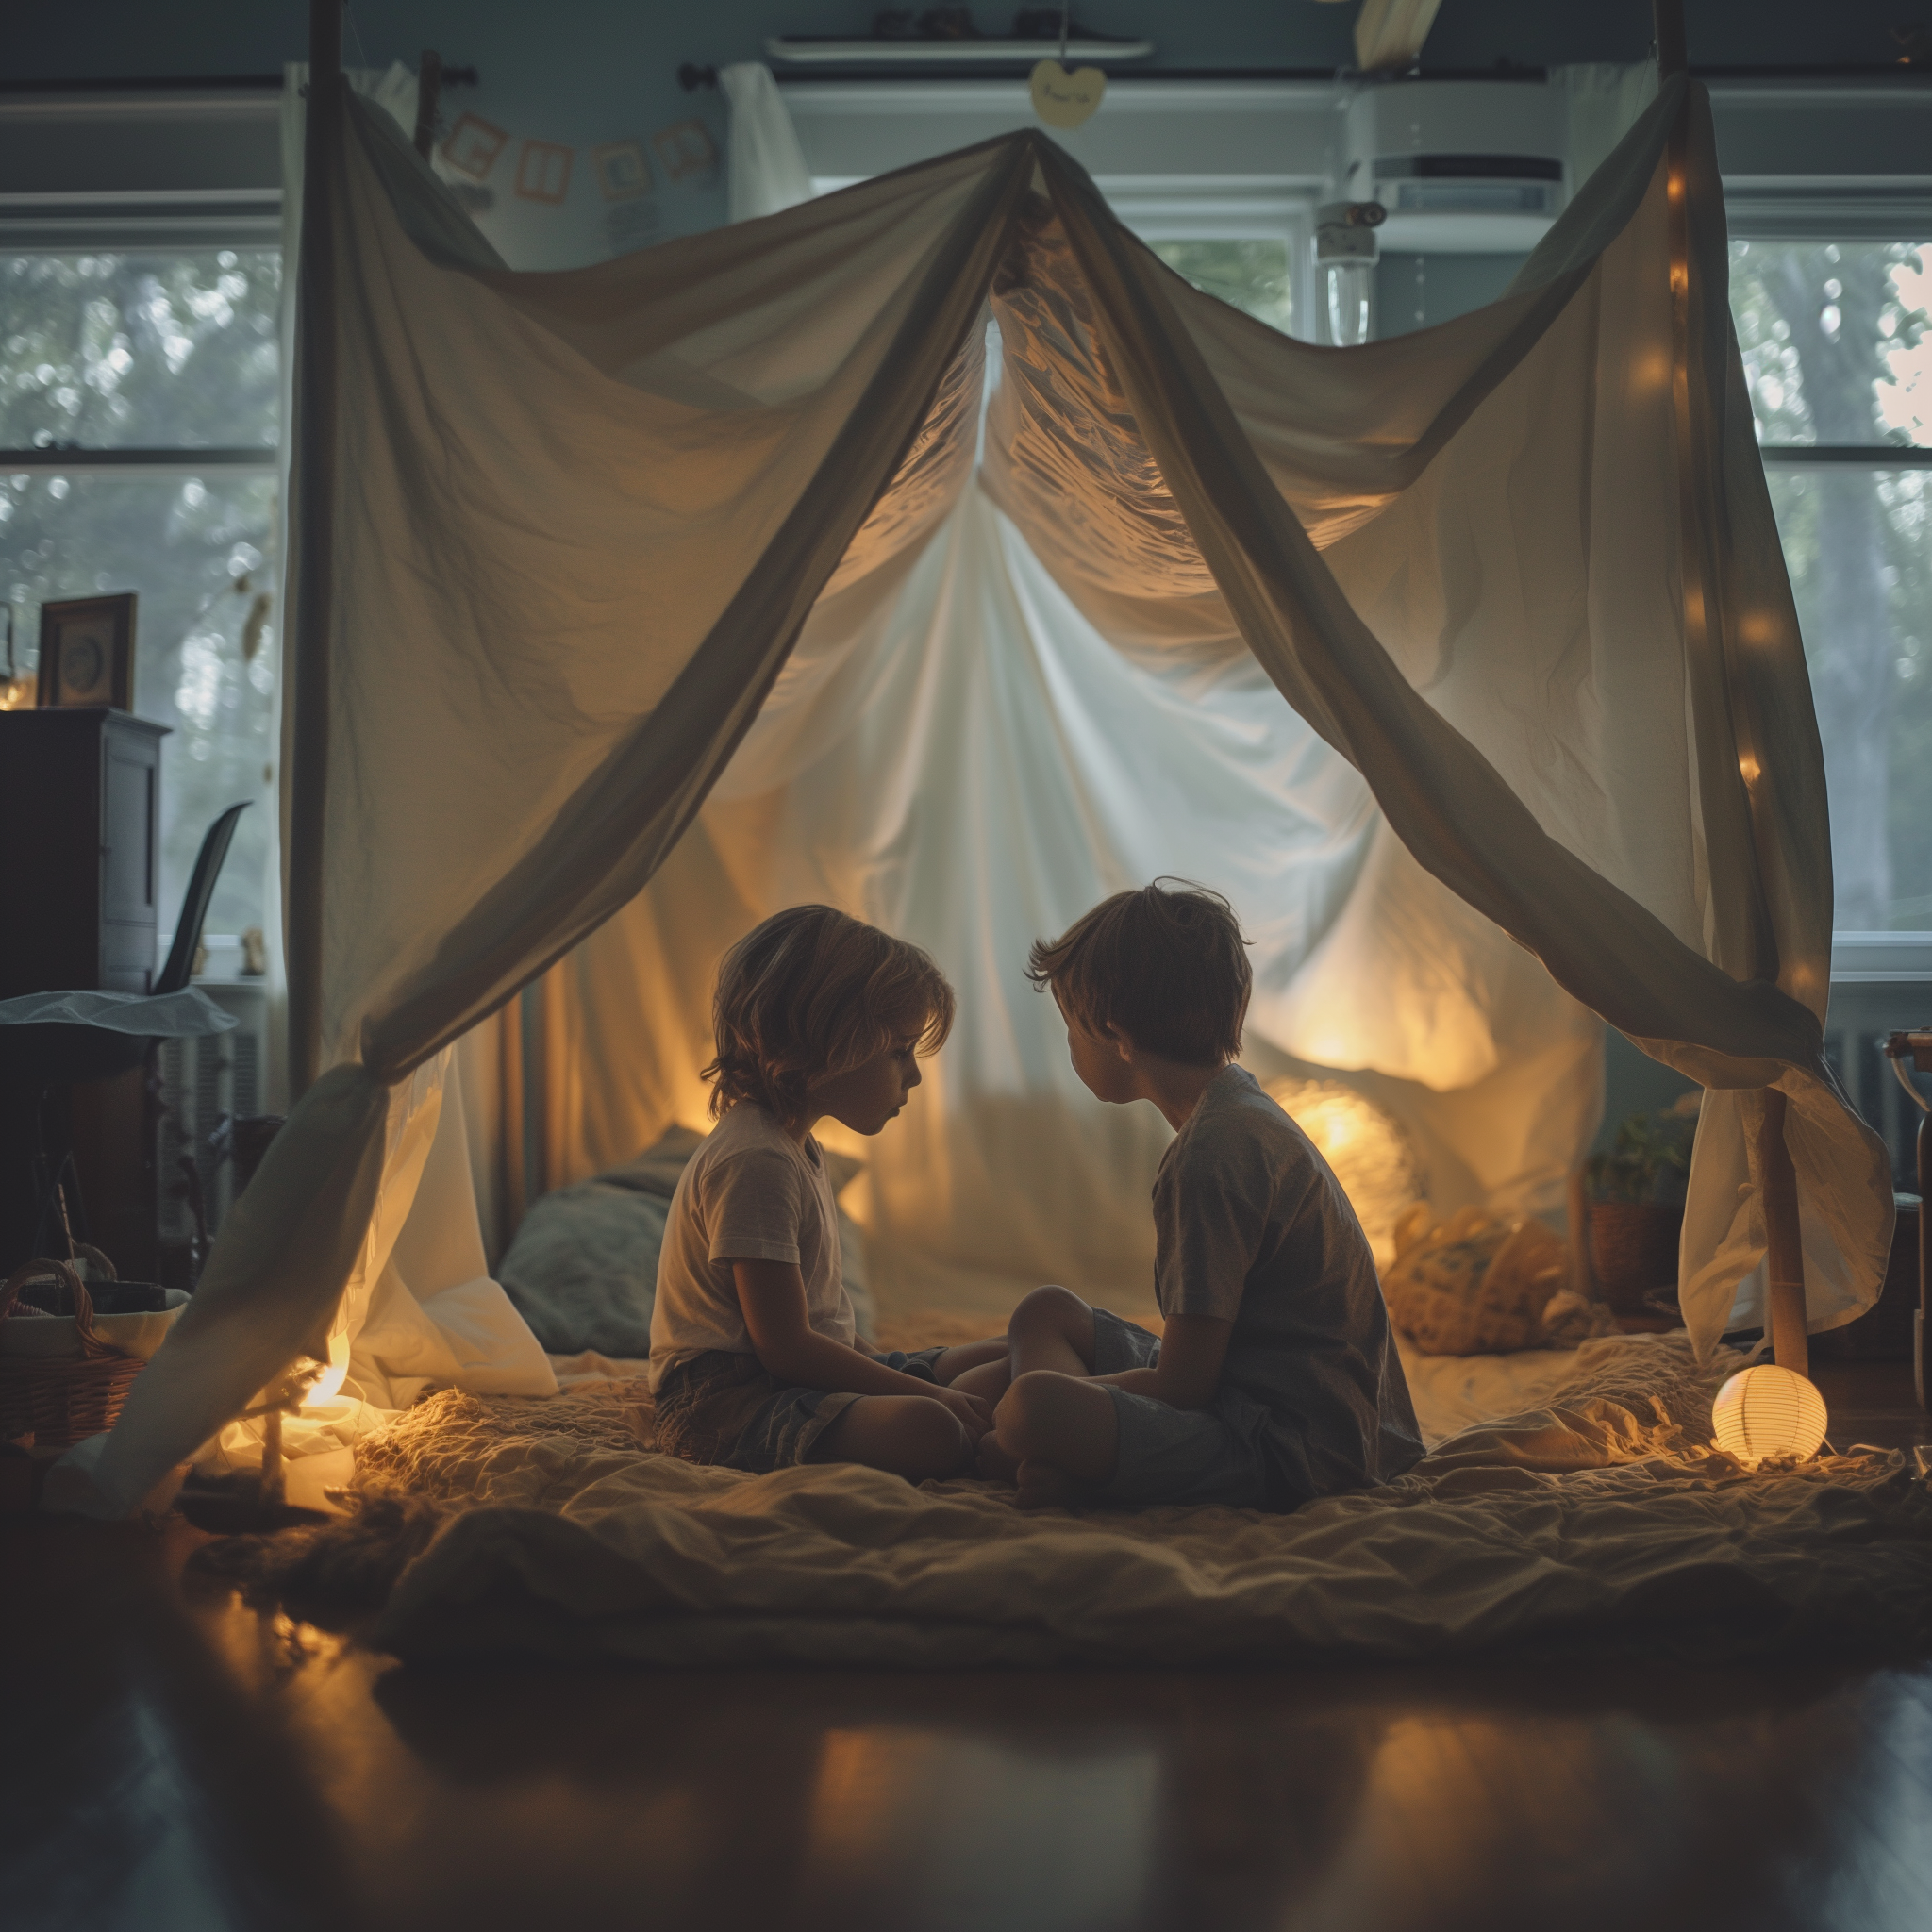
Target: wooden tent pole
(1784,1260)
(1777,1179)
(428,95)
(314,478)
(1668,17)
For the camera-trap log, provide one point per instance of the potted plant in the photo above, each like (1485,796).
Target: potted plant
(1634,1206)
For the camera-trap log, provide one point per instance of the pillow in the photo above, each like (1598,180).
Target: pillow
(1473,1284)
(583,1268)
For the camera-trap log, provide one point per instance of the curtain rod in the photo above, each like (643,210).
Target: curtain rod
(694,75)
(706,76)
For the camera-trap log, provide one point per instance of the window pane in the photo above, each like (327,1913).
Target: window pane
(1251,275)
(163,351)
(1834,339)
(196,552)
(1857,546)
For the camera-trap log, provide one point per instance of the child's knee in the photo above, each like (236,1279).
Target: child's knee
(936,1443)
(1027,1410)
(1050,1310)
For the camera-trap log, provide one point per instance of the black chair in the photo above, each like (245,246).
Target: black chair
(180,965)
(114,1035)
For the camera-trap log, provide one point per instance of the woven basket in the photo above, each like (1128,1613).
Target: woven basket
(61,1400)
(1633,1250)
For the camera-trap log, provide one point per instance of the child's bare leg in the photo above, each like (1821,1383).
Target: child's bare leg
(1062,1433)
(979,1367)
(1052,1330)
(905,1435)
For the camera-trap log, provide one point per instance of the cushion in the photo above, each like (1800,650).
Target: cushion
(583,1268)
(1473,1284)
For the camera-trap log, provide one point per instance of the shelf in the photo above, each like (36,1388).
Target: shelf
(911,53)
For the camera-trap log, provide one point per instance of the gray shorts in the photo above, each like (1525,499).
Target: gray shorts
(724,1409)
(1169,1455)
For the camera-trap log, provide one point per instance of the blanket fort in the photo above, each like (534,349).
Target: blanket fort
(559,539)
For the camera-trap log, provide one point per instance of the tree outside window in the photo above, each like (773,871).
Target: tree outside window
(1837,361)
(176,352)
(1251,275)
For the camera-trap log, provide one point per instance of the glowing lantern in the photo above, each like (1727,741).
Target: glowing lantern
(1768,1411)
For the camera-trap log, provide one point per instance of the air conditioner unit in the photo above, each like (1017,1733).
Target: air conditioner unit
(202,1080)
(1462,167)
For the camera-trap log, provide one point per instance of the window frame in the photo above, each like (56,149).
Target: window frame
(1852,215)
(172,170)
(217,464)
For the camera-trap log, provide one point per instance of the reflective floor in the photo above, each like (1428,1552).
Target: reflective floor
(173,1760)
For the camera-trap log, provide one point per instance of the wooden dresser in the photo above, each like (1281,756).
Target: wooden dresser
(79,908)
(79,888)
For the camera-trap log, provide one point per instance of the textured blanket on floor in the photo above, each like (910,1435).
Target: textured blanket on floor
(1605,1518)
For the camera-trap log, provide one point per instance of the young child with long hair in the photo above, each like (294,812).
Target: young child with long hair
(755,1361)
(1276,1378)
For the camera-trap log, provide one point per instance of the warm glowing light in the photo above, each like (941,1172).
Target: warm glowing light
(1767,1411)
(16,693)
(1758,627)
(1674,185)
(1749,766)
(1371,1159)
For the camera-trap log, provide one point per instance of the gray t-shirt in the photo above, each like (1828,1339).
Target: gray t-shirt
(749,1193)
(1251,1227)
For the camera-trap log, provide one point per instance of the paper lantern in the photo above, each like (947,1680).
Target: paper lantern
(1768,1411)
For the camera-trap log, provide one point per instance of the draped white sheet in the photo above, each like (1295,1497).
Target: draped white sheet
(974,767)
(559,534)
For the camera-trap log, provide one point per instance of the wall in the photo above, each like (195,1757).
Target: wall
(548,56)
(585,72)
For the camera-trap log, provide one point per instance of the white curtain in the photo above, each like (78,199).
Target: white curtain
(764,165)
(1603,100)
(560,536)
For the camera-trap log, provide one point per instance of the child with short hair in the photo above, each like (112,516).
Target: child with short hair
(755,1361)
(1276,1379)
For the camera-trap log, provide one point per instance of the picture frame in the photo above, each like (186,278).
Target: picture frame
(87,653)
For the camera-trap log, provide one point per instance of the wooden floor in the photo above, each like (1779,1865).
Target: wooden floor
(169,1759)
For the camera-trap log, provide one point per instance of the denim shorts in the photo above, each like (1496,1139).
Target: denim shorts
(722,1407)
(1183,1456)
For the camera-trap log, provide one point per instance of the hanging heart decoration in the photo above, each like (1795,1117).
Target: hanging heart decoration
(1064,100)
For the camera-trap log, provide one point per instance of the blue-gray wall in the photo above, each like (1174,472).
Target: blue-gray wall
(584,71)
(572,56)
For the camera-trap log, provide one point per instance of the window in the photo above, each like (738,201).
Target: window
(138,419)
(1839,362)
(1256,274)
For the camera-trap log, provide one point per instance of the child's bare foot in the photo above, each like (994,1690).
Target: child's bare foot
(1043,1487)
(996,1465)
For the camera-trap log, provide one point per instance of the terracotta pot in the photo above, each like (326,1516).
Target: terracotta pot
(1633,1250)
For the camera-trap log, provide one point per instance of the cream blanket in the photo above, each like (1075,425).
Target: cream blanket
(1605,1518)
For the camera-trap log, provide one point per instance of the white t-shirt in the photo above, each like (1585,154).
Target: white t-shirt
(750,1194)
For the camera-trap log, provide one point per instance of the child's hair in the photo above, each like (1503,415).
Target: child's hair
(1170,969)
(811,992)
